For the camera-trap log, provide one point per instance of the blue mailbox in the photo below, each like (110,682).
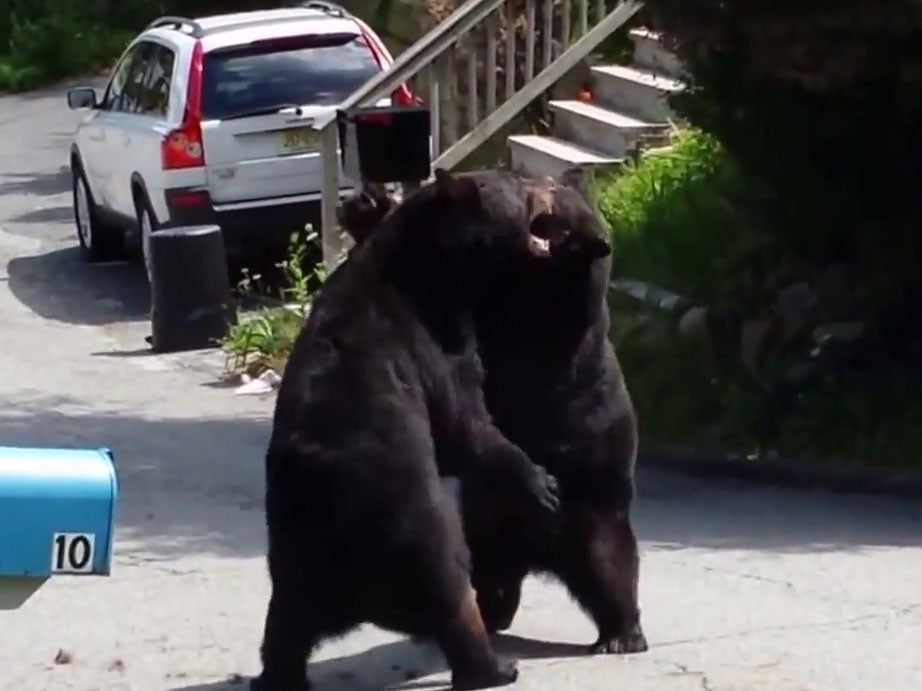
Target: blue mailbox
(57,516)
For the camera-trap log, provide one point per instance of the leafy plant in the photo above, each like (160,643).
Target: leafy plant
(263,341)
(679,216)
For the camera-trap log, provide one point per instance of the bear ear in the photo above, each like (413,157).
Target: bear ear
(459,191)
(575,177)
(376,196)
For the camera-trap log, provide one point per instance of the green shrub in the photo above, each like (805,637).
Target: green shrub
(689,220)
(679,217)
(821,101)
(44,40)
(262,340)
(50,39)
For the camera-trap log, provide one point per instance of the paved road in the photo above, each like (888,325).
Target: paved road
(743,589)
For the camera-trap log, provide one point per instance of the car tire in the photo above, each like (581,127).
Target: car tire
(147,225)
(99,242)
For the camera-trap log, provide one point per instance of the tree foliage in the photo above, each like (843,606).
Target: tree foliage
(821,101)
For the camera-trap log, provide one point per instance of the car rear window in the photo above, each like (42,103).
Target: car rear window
(319,70)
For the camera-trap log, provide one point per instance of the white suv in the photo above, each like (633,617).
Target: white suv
(208,120)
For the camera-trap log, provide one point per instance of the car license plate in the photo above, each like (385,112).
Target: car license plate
(298,139)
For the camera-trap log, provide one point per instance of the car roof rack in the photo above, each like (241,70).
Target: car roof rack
(329,7)
(176,23)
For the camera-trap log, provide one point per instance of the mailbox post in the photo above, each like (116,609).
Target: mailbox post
(57,517)
(385,144)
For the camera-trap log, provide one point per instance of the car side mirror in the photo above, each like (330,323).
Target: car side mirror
(81,97)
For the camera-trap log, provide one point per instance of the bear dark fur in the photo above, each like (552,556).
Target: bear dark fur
(361,214)
(381,394)
(555,387)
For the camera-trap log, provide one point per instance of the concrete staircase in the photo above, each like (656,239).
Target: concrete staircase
(468,106)
(627,109)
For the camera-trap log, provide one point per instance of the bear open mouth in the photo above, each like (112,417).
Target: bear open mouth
(538,246)
(542,226)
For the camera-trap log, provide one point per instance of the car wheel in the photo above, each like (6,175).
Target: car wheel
(146,227)
(98,241)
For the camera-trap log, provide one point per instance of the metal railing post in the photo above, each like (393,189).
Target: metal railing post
(331,238)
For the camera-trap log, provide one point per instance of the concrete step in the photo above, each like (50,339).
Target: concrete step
(533,154)
(598,128)
(634,90)
(650,54)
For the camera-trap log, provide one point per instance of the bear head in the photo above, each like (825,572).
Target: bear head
(446,236)
(562,213)
(361,214)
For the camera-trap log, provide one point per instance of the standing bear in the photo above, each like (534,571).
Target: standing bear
(382,395)
(554,386)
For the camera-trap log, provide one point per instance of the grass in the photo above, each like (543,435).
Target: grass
(263,337)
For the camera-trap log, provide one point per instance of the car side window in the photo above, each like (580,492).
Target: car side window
(140,68)
(116,88)
(155,96)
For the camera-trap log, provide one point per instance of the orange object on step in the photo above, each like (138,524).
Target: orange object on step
(585,96)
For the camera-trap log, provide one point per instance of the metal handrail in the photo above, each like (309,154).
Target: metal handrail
(423,52)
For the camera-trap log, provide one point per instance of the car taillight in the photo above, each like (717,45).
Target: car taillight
(402,96)
(182,147)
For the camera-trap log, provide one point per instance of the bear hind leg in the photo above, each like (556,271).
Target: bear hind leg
(287,643)
(602,573)
(498,602)
(434,574)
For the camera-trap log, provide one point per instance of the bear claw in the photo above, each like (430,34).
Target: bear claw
(633,642)
(547,490)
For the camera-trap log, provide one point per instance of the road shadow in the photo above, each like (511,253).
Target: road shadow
(59,285)
(50,214)
(676,512)
(195,485)
(186,485)
(43,183)
(402,665)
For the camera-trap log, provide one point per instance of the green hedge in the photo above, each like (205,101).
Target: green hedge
(44,40)
(690,219)
(679,217)
(822,102)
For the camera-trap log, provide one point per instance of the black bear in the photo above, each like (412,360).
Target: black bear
(360,214)
(554,386)
(383,394)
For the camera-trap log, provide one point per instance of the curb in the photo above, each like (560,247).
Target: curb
(803,475)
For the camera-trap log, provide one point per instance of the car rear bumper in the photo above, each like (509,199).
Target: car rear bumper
(246,225)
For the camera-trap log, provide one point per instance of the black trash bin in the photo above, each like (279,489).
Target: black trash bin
(191,302)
